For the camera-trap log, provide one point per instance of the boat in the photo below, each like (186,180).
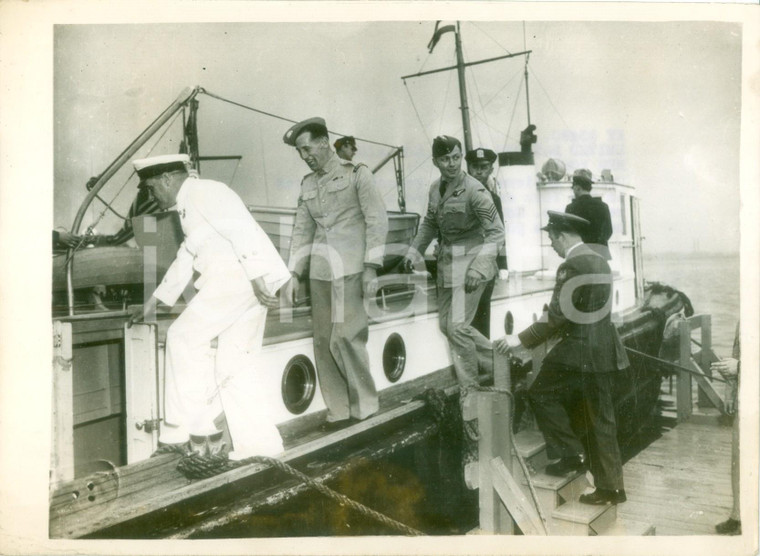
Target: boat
(109,410)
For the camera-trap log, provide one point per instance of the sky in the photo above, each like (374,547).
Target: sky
(657,103)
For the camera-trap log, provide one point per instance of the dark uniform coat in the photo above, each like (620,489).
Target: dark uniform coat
(586,344)
(580,367)
(597,213)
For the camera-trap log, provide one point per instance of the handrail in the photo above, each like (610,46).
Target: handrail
(187,95)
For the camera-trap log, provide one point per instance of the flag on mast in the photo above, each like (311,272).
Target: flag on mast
(437,35)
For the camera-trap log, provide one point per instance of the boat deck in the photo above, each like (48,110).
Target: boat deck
(681,483)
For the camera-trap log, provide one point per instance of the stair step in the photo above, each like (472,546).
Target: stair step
(574,518)
(626,527)
(529,443)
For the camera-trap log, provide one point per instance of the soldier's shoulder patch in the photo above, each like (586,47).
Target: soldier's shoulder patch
(562,274)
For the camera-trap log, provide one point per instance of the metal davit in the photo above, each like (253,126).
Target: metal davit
(182,100)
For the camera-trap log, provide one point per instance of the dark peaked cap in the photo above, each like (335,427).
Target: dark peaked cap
(564,222)
(348,140)
(292,134)
(480,155)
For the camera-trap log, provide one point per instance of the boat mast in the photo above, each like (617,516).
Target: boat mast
(460,67)
(463,91)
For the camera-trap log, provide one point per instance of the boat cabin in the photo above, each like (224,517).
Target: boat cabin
(109,395)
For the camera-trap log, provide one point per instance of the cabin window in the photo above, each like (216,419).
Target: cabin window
(623,218)
(299,382)
(394,357)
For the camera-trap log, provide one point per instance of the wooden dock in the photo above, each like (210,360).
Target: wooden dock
(681,483)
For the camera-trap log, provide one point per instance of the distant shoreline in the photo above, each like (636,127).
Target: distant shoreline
(690,254)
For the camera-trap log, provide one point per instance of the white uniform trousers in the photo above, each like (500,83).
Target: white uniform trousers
(200,385)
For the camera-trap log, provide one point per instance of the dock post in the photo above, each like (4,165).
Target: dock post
(62,452)
(494,430)
(704,358)
(683,383)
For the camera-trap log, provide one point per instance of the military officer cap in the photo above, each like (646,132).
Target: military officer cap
(564,222)
(583,178)
(348,140)
(480,155)
(443,145)
(312,124)
(157,165)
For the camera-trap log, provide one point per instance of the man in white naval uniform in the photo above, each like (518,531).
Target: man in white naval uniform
(240,271)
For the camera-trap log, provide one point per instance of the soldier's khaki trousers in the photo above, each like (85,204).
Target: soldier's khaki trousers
(340,348)
(456,309)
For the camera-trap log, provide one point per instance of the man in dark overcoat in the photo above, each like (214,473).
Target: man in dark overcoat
(578,372)
(593,209)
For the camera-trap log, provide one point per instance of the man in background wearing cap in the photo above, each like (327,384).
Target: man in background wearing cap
(581,366)
(239,271)
(345,147)
(339,234)
(480,166)
(592,209)
(462,216)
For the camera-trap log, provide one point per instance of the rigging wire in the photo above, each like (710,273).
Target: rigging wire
(271,115)
(414,107)
(107,207)
(512,117)
(480,115)
(132,173)
(533,73)
(504,48)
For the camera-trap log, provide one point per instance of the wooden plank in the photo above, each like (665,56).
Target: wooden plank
(683,384)
(150,492)
(493,421)
(512,497)
(705,399)
(690,464)
(706,389)
(62,452)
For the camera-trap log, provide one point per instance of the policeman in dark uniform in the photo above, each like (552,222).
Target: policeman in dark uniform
(592,209)
(345,147)
(480,166)
(461,214)
(581,366)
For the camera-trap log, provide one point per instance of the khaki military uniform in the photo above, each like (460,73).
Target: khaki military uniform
(469,229)
(340,228)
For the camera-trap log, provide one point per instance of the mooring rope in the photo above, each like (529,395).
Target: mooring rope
(200,467)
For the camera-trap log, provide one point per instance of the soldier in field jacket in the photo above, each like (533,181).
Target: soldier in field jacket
(581,366)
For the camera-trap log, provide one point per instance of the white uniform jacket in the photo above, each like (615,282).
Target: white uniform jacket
(220,233)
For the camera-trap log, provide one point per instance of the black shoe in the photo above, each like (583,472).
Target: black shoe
(602,497)
(729,527)
(565,466)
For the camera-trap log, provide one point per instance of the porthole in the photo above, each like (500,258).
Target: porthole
(509,323)
(394,357)
(299,381)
